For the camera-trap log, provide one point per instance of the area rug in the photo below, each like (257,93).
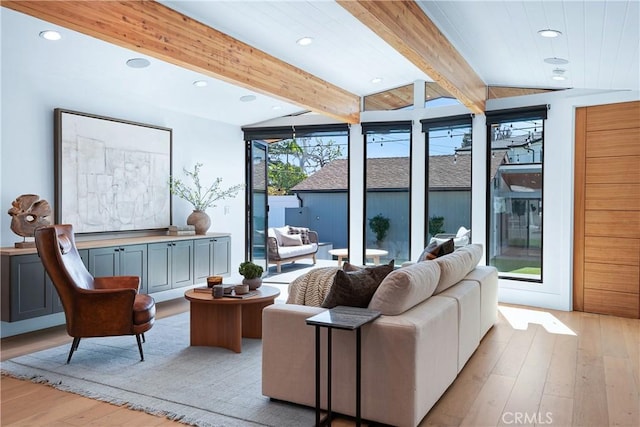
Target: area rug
(204,386)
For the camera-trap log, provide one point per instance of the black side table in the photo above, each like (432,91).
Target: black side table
(341,317)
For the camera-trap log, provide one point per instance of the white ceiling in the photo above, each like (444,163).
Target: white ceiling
(498,38)
(600,39)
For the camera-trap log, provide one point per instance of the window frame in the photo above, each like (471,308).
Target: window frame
(538,112)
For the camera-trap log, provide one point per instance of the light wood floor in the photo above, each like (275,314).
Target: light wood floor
(548,368)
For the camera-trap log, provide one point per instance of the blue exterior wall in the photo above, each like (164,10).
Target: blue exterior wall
(325,213)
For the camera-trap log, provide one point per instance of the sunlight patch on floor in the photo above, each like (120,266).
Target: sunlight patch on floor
(520,318)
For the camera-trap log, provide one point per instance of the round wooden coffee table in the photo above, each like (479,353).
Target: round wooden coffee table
(223,322)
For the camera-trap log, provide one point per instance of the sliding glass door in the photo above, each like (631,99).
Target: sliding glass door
(257,208)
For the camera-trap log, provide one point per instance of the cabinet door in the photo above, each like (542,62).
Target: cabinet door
(133,262)
(159,267)
(221,259)
(104,262)
(202,258)
(182,263)
(31,289)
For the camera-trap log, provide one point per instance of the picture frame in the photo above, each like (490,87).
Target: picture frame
(111,175)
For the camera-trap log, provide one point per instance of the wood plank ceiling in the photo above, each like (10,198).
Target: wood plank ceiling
(406,28)
(158,31)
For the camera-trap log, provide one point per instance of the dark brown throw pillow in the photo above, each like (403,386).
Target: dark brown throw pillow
(356,288)
(347,266)
(435,250)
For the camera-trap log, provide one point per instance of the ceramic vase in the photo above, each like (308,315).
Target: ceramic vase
(254,283)
(200,220)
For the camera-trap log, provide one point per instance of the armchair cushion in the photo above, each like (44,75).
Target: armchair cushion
(144,309)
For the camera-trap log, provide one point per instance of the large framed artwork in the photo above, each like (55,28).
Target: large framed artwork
(111,175)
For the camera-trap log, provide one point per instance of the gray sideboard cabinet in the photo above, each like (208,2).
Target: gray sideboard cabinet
(211,258)
(162,263)
(170,265)
(27,291)
(124,260)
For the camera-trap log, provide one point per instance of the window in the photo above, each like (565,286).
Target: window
(388,180)
(448,162)
(515,197)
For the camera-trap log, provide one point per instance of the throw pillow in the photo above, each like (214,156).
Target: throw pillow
(456,266)
(279,232)
(435,250)
(405,287)
(303,232)
(347,266)
(355,288)
(291,240)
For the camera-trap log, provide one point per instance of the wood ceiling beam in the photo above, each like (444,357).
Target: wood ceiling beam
(153,29)
(407,29)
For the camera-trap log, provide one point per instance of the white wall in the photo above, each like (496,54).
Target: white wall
(26,152)
(555,291)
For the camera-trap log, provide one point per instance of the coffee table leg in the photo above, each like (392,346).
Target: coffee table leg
(252,319)
(217,325)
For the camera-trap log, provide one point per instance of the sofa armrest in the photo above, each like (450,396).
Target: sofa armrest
(288,352)
(272,249)
(313,236)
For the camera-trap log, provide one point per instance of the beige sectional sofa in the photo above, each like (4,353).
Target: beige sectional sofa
(434,315)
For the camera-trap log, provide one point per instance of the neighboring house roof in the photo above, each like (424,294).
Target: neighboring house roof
(393,173)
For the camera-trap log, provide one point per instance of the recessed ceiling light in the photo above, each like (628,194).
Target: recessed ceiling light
(376,80)
(200,83)
(305,41)
(556,61)
(138,63)
(276,107)
(50,35)
(248,98)
(549,33)
(558,74)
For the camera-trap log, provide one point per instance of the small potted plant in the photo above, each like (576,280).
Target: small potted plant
(380,226)
(252,274)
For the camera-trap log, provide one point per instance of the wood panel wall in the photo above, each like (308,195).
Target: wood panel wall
(606,269)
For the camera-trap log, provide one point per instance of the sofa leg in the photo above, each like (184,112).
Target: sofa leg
(278,268)
(314,258)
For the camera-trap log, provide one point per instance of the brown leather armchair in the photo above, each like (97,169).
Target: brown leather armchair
(93,307)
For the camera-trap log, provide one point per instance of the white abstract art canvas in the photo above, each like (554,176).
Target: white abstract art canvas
(112,175)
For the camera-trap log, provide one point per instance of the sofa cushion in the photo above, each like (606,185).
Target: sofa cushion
(291,240)
(294,251)
(436,249)
(280,231)
(405,288)
(455,266)
(355,288)
(302,231)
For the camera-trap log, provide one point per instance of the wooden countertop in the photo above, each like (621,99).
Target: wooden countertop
(115,241)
